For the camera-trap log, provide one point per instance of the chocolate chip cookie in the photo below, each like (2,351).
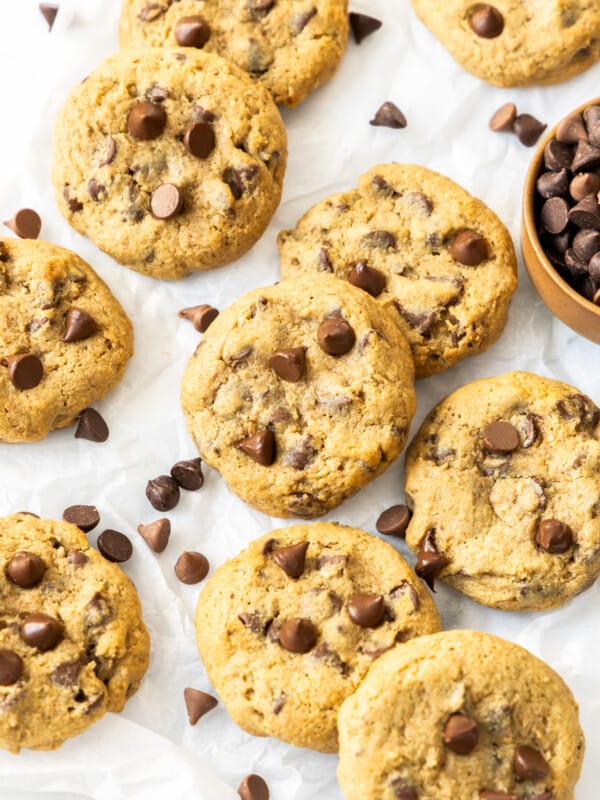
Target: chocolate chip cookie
(289,627)
(64,339)
(463,715)
(170,160)
(511,42)
(503,476)
(300,394)
(436,257)
(288,46)
(72,642)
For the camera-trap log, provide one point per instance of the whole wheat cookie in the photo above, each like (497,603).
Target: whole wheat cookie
(64,339)
(504,480)
(289,627)
(169,159)
(437,257)
(462,715)
(515,43)
(72,642)
(288,46)
(300,394)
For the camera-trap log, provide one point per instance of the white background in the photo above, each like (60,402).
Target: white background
(150,751)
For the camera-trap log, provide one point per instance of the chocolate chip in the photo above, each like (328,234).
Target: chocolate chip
(394,521)
(146,121)
(557,156)
(366,610)
(91,426)
(198,704)
(11,667)
(260,447)
(85,517)
(115,546)
(498,796)
(586,156)
(162,492)
(25,569)
(571,129)
(389,115)
(584,184)
(49,12)
(363,25)
(232,178)
(77,558)
(188,474)
(431,561)
(406,793)
(291,558)
(95,189)
(300,21)
(529,764)
(501,437)
(586,244)
(503,120)
(461,734)
(67,673)
(591,115)
(594,267)
(298,635)
(199,139)
(289,364)
(253,787)
(486,21)
(200,316)
(166,201)
(192,31)
(554,215)
(25,371)
(528,129)
(191,567)
(260,7)
(586,214)
(156,534)
(111,152)
(157,94)
(367,278)
(469,248)
(80,325)
(74,204)
(336,336)
(382,240)
(554,536)
(41,631)
(26,223)
(554,184)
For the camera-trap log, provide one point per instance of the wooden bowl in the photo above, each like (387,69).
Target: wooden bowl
(568,305)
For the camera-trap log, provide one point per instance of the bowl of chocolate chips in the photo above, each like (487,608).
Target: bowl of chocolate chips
(561,220)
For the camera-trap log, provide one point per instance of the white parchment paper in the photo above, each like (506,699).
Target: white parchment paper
(150,751)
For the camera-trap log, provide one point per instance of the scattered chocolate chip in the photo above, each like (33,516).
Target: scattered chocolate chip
(291,558)
(363,25)
(389,115)
(298,635)
(41,631)
(67,673)
(554,536)
(156,534)
(25,371)
(366,610)
(146,121)
(115,546)
(200,316)
(163,492)
(469,248)
(91,426)
(11,667)
(253,787)
(554,215)
(85,517)
(394,521)
(49,12)
(503,120)
(501,437)
(461,734)
(199,139)
(529,764)
(554,184)
(586,156)
(571,129)
(431,561)
(191,567)
(367,278)
(584,184)
(336,336)
(289,364)
(586,214)
(188,474)
(528,129)
(80,325)
(486,21)
(26,223)
(260,447)
(25,569)
(77,558)
(198,704)
(166,201)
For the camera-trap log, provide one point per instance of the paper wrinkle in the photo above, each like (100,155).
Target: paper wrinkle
(150,751)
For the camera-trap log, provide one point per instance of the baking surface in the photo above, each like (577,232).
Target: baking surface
(150,751)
